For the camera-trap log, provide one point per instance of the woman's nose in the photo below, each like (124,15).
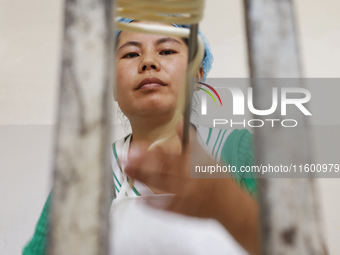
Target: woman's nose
(149,63)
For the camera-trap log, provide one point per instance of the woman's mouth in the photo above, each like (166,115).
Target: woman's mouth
(150,83)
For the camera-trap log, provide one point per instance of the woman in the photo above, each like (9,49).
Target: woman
(150,71)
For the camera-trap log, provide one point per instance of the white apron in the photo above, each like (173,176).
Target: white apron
(139,229)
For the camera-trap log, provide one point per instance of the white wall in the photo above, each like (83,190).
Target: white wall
(30,33)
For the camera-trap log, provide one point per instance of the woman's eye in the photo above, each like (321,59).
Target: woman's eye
(167,52)
(131,55)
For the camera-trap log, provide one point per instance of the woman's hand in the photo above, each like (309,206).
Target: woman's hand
(221,199)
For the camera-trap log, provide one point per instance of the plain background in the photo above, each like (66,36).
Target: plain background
(30,37)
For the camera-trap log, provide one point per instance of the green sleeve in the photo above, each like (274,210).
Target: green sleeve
(37,245)
(238,150)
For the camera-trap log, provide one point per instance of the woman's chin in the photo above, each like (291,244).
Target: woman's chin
(149,106)
(153,110)
(156,105)
(156,110)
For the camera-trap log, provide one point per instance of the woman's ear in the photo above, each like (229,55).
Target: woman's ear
(199,77)
(200,74)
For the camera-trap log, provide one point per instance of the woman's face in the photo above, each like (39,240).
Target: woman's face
(150,71)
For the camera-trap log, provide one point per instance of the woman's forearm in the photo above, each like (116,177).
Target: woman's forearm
(238,212)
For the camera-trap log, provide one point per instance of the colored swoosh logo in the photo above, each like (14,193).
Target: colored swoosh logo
(209,93)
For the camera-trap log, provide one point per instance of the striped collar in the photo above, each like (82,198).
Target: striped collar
(121,181)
